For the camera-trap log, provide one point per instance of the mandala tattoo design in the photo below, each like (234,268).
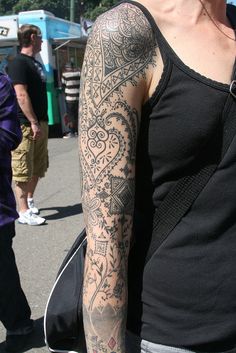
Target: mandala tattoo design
(121,47)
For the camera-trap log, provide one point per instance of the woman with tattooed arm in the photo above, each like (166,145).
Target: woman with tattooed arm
(157,85)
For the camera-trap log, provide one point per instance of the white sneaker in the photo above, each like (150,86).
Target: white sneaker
(32,207)
(28,217)
(69,135)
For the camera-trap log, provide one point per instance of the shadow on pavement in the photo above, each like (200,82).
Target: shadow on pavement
(63,212)
(36,340)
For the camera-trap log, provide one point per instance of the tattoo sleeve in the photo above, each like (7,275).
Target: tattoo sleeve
(119,52)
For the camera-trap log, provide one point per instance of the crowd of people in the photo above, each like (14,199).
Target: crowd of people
(157,151)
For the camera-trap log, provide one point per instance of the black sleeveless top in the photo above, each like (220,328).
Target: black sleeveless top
(188,289)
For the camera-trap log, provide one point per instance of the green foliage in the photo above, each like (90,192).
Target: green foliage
(92,12)
(58,8)
(61,8)
(6,7)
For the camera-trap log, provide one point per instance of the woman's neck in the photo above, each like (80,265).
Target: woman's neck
(216,9)
(190,10)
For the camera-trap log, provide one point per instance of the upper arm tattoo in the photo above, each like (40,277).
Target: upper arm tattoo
(119,52)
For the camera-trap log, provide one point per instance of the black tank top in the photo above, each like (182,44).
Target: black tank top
(188,289)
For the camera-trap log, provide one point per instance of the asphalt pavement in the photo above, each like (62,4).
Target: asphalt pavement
(40,250)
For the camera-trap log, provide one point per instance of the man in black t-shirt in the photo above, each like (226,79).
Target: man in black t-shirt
(30,159)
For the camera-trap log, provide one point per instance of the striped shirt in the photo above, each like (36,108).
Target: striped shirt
(71,81)
(10,137)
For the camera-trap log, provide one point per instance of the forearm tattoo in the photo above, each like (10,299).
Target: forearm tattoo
(118,54)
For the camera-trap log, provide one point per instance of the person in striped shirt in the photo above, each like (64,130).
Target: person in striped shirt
(71,84)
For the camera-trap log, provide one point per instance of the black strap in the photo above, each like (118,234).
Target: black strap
(186,190)
(231,13)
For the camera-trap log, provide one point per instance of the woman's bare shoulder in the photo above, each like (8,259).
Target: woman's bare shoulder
(125,34)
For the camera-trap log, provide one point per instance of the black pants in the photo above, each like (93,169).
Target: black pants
(72,112)
(14,308)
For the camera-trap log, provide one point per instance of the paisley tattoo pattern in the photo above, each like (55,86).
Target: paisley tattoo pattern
(119,52)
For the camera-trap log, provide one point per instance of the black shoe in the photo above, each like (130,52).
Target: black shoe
(14,343)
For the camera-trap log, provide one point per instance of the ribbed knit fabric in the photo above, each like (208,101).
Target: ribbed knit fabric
(188,288)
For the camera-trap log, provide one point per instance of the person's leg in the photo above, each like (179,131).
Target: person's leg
(21,192)
(75,116)
(14,309)
(69,116)
(30,196)
(22,168)
(78,119)
(24,194)
(72,113)
(32,186)
(28,215)
(40,165)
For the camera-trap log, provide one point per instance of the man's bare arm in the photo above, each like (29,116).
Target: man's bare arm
(26,107)
(119,54)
